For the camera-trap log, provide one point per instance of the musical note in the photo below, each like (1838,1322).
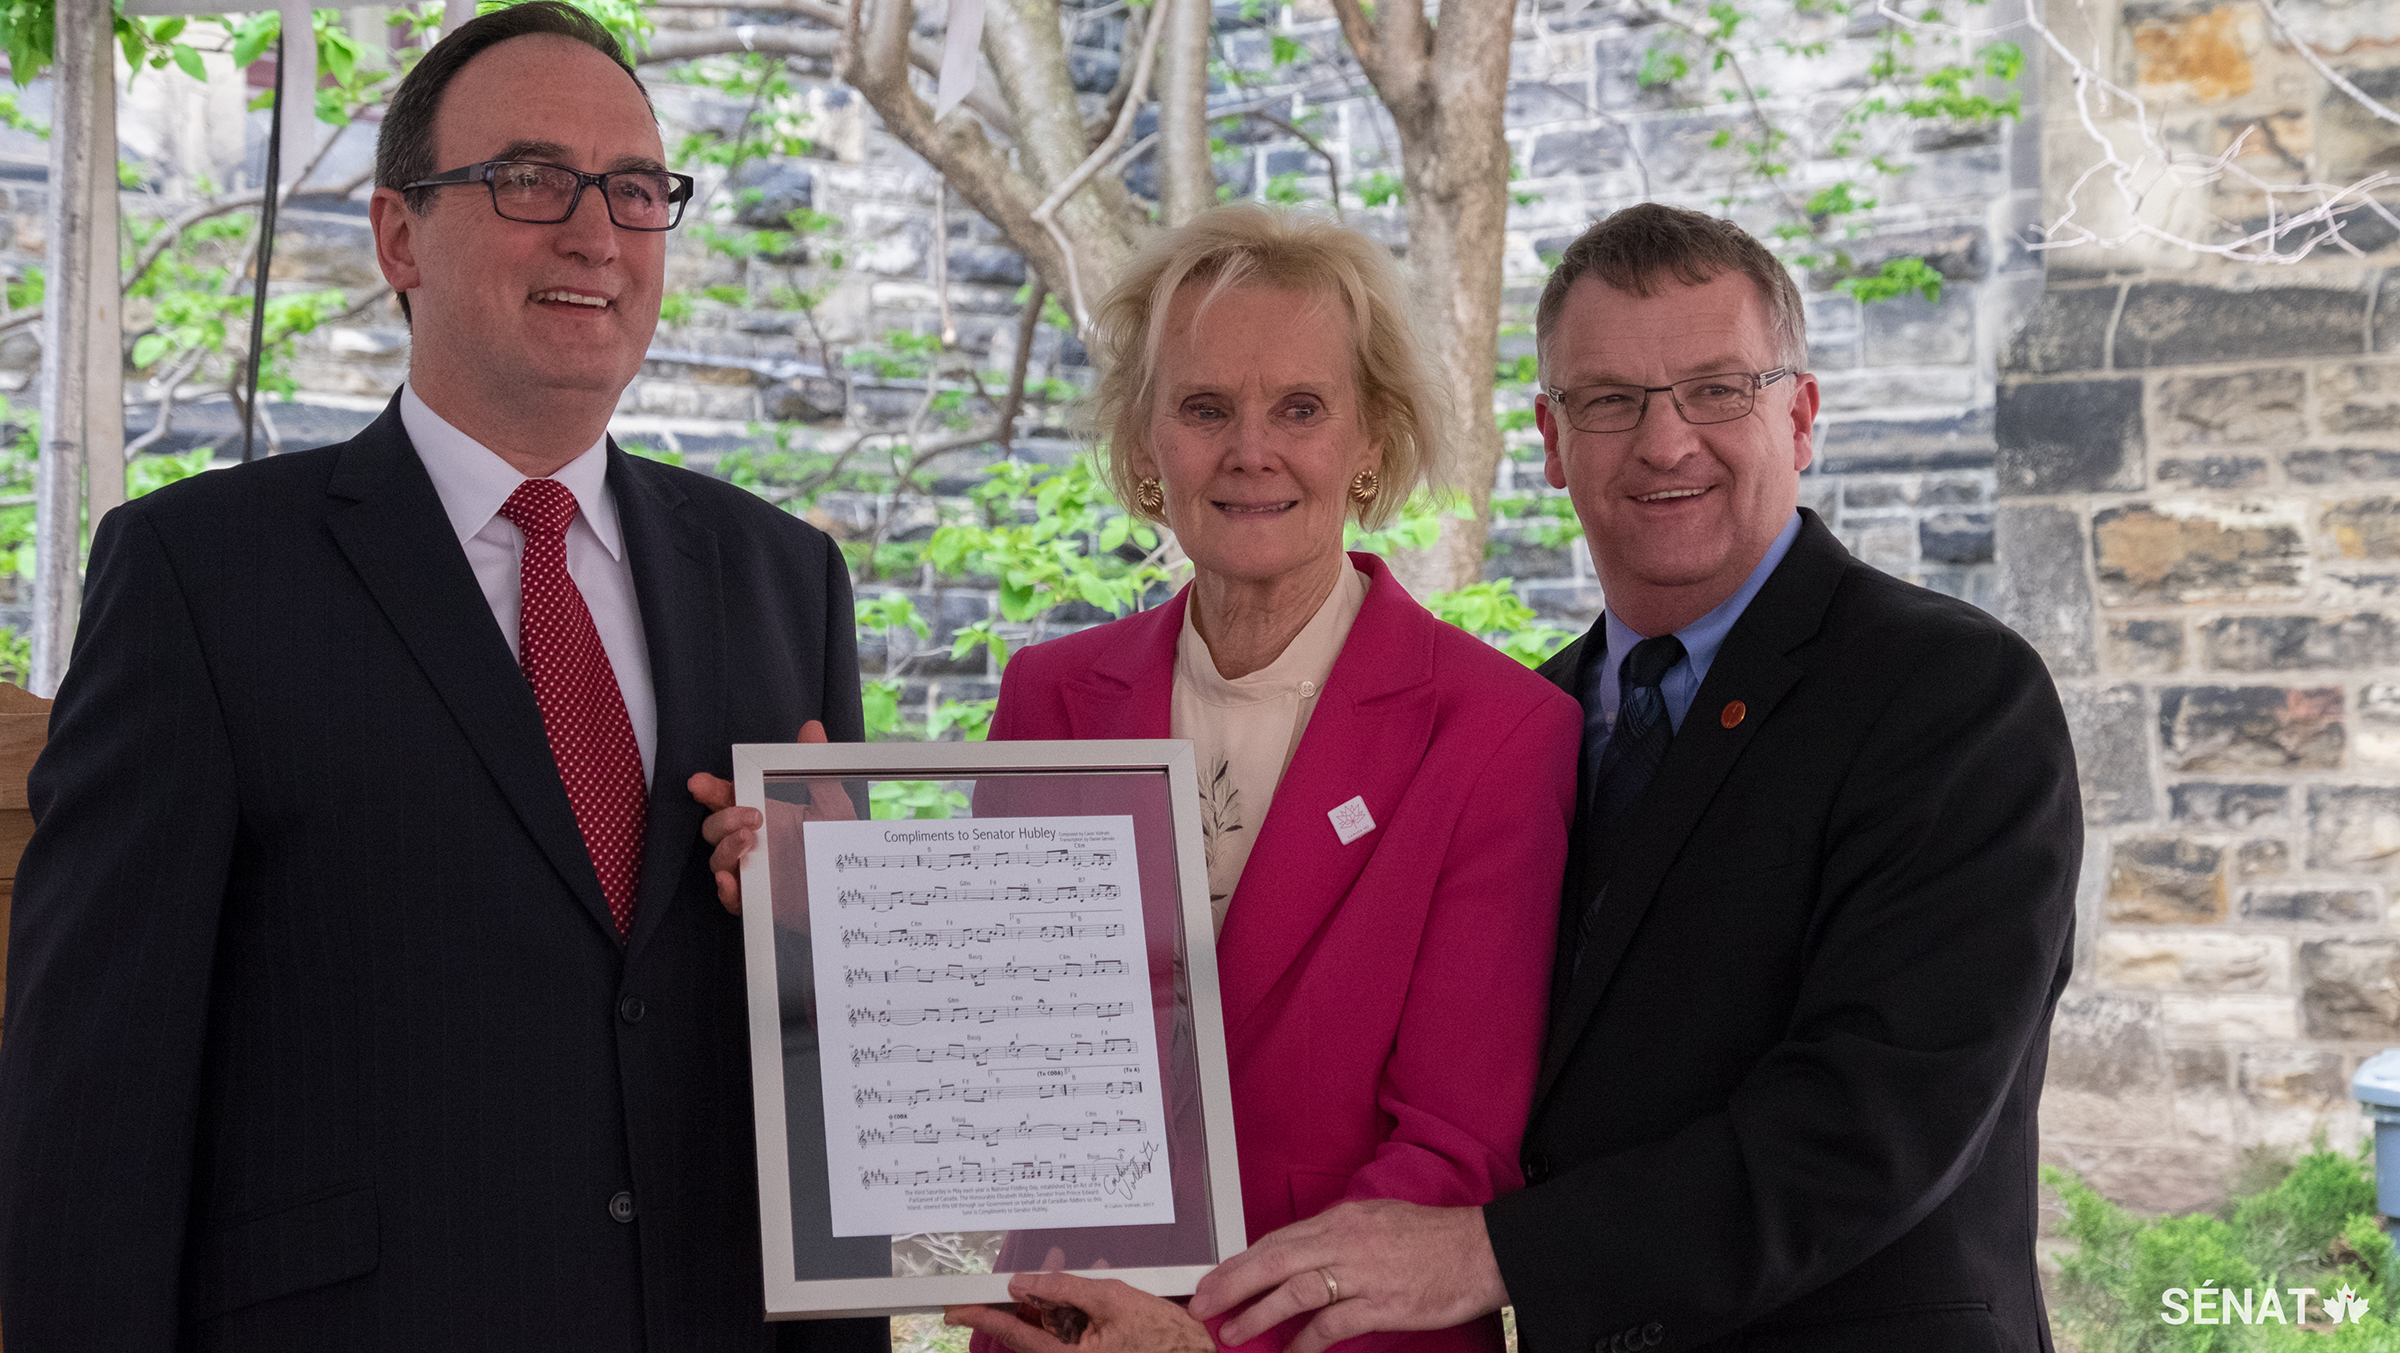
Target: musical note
(1005,972)
(955,937)
(987,1014)
(984,1094)
(933,1135)
(983,1056)
(1075,858)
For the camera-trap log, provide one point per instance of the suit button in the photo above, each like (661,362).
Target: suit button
(621,1206)
(631,1010)
(1652,1333)
(1537,1168)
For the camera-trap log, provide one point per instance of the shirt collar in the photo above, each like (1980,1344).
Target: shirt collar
(472,481)
(1703,637)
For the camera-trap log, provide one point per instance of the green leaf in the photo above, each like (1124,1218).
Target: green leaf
(1284,51)
(256,34)
(188,61)
(149,348)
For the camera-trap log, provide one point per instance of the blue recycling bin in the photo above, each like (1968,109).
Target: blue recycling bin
(2377,1086)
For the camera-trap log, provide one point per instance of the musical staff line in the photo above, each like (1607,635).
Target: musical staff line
(984,1094)
(876,899)
(951,937)
(987,1014)
(930,1135)
(983,1056)
(1117,1176)
(1004,972)
(1071,857)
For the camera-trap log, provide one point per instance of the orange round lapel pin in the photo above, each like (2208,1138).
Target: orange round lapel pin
(1734,710)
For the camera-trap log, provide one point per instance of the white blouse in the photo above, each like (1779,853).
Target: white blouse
(1246,729)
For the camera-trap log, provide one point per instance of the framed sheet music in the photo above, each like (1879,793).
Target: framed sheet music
(984,1025)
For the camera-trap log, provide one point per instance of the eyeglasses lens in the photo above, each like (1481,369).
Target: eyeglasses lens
(1701,400)
(544,194)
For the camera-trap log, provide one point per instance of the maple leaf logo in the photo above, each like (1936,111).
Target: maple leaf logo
(2346,1306)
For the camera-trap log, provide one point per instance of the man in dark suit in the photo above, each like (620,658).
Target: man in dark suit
(368,985)
(1818,911)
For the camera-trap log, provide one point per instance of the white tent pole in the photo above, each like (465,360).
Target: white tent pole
(82,383)
(299,115)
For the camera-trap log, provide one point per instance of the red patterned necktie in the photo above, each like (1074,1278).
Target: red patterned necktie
(583,711)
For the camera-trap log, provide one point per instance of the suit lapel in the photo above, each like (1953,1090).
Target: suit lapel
(676,581)
(1128,692)
(1752,667)
(1376,709)
(389,523)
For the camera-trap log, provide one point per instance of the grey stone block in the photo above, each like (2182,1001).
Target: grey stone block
(2261,859)
(2384,331)
(1960,252)
(2067,331)
(1591,150)
(1956,538)
(1679,148)
(2353,828)
(2076,436)
(2044,594)
(2142,647)
(2106,1044)
(1912,331)
(2213,472)
(1531,102)
(2142,555)
(2284,643)
(2246,408)
(2362,528)
(2165,880)
(2112,755)
(1833,332)
(2313,906)
(2216,729)
(2348,466)
(1904,445)
(2350,989)
(991,265)
(2226,807)
(2177,323)
(1093,71)
(2359,398)
(766,192)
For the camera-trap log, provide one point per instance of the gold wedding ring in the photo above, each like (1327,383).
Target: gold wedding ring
(1333,1290)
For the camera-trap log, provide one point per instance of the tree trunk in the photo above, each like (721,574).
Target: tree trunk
(1447,88)
(1187,176)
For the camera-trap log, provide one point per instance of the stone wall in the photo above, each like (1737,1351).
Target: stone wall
(2199,526)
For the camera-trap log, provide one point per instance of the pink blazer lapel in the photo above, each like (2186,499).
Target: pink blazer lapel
(1129,692)
(1366,740)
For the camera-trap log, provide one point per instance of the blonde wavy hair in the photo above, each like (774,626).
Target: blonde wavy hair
(1246,244)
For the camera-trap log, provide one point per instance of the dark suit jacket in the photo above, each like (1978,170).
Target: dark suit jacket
(319,1035)
(1788,1100)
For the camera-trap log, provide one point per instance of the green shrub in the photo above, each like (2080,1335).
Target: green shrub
(2133,1284)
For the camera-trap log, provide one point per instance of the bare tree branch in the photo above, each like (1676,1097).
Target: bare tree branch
(816,44)
(1046,214)
(1188,177)
(1333,164)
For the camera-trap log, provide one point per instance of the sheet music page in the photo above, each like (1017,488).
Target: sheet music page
(983,999)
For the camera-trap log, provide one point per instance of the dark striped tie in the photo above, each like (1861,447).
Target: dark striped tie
(1634,752)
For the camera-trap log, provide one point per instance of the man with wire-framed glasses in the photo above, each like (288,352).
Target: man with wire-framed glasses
(1817,912)
(370,990)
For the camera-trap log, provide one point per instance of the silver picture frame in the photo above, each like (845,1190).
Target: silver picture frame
(810,1273)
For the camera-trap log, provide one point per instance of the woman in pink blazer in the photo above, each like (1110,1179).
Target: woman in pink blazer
(1404,789)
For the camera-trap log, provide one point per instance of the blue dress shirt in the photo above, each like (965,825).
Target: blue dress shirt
(1701,640)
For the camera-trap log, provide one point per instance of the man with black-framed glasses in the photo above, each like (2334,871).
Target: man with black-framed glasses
(1818,910)
(369,987)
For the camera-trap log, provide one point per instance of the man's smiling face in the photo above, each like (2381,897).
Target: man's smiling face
(506,313)
(1676,516)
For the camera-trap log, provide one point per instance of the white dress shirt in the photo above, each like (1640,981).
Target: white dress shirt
(473,482)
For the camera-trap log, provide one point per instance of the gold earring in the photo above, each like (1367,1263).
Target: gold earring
(1364,488)
(1148,496)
